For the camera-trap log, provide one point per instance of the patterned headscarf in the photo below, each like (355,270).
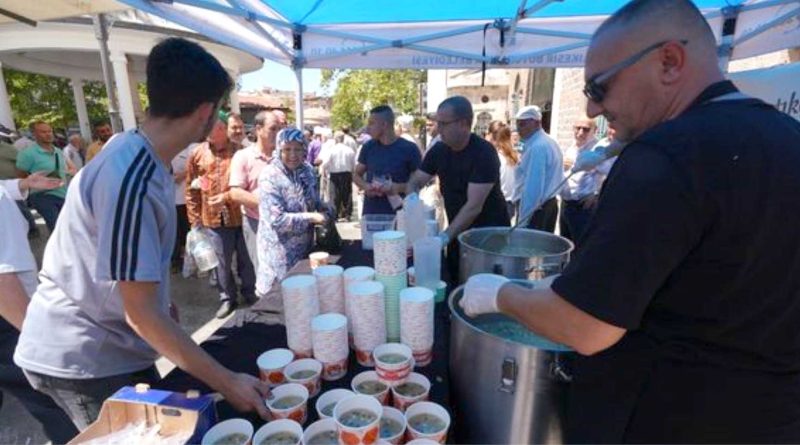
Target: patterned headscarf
(291,134)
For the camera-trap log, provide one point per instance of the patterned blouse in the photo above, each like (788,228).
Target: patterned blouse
(285,236)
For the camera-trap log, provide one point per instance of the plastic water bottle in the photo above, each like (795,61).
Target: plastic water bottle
(428,262)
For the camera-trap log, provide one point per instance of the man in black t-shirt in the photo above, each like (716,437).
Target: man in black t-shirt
(683,300)
(469,176)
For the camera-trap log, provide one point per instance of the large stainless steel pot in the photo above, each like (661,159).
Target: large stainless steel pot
(504,391)
(488,250)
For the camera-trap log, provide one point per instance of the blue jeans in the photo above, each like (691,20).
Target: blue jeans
(82,399)
(48,206)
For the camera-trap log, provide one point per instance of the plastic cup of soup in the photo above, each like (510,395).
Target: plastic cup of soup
(392,426)
(427,420)
(306,372)
(321,432)
(358,420)
(317,259)
(393,362)
(271,365)
(328,400)
(367,383)
(279,432)
(229,432)
(415,389)
(289,401)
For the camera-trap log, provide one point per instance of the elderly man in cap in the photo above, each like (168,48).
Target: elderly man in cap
(539,172)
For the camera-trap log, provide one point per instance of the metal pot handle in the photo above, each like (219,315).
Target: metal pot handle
(508,376)
(559,371)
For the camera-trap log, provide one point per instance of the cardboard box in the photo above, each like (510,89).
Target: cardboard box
(175,412)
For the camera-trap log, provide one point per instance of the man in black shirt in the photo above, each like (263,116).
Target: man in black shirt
(684,299)
(469,175)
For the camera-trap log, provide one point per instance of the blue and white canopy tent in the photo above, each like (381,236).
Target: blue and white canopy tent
(456,34)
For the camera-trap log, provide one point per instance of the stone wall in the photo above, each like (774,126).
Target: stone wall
(569,104)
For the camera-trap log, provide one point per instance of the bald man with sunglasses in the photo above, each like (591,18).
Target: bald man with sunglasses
(683,301)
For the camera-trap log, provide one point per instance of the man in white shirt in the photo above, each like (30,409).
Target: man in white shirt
(339,160)
(74,151)
(105,278)
(578,196)
(539,172)
(17,283)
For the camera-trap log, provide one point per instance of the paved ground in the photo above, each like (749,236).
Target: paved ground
(197,303)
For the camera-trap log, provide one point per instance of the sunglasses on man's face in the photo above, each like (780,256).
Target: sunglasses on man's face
(595,88)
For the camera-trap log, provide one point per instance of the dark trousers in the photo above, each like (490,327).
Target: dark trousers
(574,219)
(48,206)
(233,243)
(26,212)
(181,230)
(545,218)
(57,425)
(82,399)
(343,184)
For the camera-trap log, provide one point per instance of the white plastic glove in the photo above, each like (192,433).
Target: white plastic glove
(480,294)
(588,160)
(410,198)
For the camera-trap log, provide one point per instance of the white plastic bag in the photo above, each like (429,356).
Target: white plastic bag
(201,243)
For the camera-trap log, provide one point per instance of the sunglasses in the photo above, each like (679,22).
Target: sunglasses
(596,87)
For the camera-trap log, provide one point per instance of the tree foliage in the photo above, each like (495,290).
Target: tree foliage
(39,97)
(359,90)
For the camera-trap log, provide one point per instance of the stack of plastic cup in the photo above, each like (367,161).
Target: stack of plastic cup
(416,323)
(427,262)
(369,321)
(393,285)
(300,305)
(390,252)
(329,338)
(330,288)
(390,270)
(354,275)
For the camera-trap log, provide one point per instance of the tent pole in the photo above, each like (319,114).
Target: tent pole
(725,48)
(101,32)
(298,100)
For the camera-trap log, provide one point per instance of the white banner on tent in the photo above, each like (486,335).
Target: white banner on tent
(779,86)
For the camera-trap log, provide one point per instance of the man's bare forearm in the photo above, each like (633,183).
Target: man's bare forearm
(243,197)
(13,299)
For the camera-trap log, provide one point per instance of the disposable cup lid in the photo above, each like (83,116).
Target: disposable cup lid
(299,282)
(328,322)
(328,271)
(359,273)
(388,235)
(416,294)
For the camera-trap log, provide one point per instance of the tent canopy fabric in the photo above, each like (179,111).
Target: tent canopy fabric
(455,34)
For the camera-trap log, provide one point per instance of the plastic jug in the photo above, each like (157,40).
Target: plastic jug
(414,215)
(428,262)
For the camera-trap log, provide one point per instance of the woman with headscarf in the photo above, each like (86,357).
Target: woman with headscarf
(289,208)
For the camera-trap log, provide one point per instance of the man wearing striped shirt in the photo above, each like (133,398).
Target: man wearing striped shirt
(101,314)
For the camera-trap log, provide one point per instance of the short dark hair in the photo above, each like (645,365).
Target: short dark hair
(181,76)
(690,17)
(346,130)
(462,108)
(430,116)
(99,124)
(234,115)
(261,118)
(385,112)
(32,126)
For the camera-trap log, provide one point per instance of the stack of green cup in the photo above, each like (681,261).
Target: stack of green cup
(392,284)
(441,292)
